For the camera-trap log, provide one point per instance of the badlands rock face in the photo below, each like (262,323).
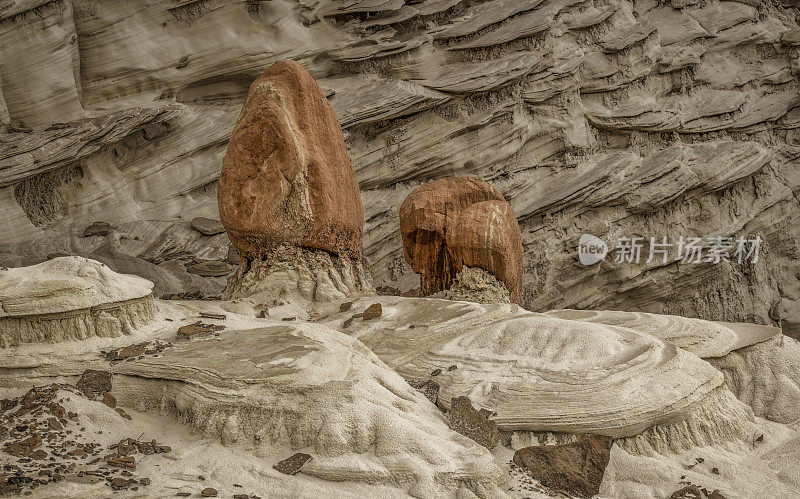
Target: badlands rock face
(616,119)
(310,387)
(329,398)
(453,223)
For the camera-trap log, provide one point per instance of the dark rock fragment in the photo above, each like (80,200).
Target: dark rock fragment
(576,468)
(292,465)
(470,422)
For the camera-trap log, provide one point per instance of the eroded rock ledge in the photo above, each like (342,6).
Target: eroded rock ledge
(71,298)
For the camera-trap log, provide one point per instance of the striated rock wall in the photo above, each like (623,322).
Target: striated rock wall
(610,117)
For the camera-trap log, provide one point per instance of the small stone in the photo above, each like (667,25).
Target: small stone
(38,454)
(20,127)
(344,307)
(436,372)
(576,468)
(193,331)
(144,481)
(109,400)
(127,352)
(24,448)
(241,496)
(292,465)
(93,382)
(452,368)
(125,447)
(207,226)
(123,414)
(57,126)
(122,462)
(715,471)
(373,312)
(98,229)
(121,483)
(428,387)
(209,492)
(183,494)
(349,321)
(209,315)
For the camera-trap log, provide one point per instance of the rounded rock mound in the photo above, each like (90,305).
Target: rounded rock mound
(71,298)
(286,177)
(540,374)
(308,388)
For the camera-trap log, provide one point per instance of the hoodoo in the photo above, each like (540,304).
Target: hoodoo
(288,196)
(455,230)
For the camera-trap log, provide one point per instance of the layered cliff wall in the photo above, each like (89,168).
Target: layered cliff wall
(615,118)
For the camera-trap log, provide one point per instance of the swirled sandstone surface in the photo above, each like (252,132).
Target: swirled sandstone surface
(761,365)
(542,374)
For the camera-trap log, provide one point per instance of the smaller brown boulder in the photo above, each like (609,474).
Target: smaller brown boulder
(576,468)
(486,235)
(425,217)
(93,383)
(372,312)
(427,387)
(453,223)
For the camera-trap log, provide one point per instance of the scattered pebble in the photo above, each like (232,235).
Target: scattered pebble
(209,492)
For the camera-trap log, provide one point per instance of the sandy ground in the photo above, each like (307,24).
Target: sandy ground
(766,468)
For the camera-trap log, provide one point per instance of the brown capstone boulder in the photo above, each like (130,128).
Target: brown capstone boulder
(486,235)
(576,468)
(450,223)
(286,177)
